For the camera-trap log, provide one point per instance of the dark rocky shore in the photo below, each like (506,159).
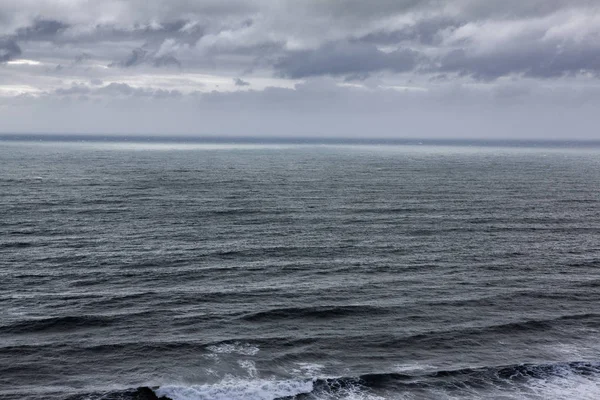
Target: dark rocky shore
(145,393)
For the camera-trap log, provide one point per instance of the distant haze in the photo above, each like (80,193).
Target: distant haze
(315,68)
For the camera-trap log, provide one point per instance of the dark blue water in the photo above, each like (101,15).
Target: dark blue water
(310,272)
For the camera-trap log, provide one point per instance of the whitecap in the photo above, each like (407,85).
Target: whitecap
(234,348)
(237,389)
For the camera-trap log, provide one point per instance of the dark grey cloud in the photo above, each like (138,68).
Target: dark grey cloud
(343,38)
(9,49)
(41,30)
(475,10)
(359,9)
(141,56)
(328,59)
(542,61)
(240,82)
(428,31)
(137,57)
(166,61)
(184,31)
(345,58)
(83,57)
(63,32)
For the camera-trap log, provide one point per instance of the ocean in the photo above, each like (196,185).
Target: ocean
(213,271)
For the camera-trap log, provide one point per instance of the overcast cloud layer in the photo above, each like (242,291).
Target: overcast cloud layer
(346,68)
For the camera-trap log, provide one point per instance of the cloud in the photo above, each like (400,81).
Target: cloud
(73,90)
(137,57)
(240,82)
(141,56)
(427,31)
(470,38)
(115,89)
(41,30)
(320,108)
(150,33)
(9,49)
(166,61)
(561,44)
(345,58)
(302,56)
(541,62)
(83,57)
(123,89)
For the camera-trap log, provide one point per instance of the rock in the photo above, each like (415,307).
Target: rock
(145,393)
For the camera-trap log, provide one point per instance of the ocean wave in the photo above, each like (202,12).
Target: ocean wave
(552,381)
(509,328)
(518,297)
(539,381)
(57,324)
(579,380)
(16,245)
(238,389)
(313,312)
(233,348)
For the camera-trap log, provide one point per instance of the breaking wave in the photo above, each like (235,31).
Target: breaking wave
(580,380)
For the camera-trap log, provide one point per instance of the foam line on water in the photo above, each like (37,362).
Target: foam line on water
(238,389)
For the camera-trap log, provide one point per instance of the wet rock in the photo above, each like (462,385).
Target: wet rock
(145,393)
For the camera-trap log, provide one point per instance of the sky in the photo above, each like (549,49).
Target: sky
(489,69)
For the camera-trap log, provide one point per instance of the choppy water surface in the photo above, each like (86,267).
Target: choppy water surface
(307,272)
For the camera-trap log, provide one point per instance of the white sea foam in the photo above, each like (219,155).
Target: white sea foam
(234,348)
(308,370)
(350,392)
(571,386)
(573,389)
(413,367)
(238,389)
(249,367)
(261,389)
(564,384)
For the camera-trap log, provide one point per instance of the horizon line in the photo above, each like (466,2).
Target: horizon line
(169,138)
